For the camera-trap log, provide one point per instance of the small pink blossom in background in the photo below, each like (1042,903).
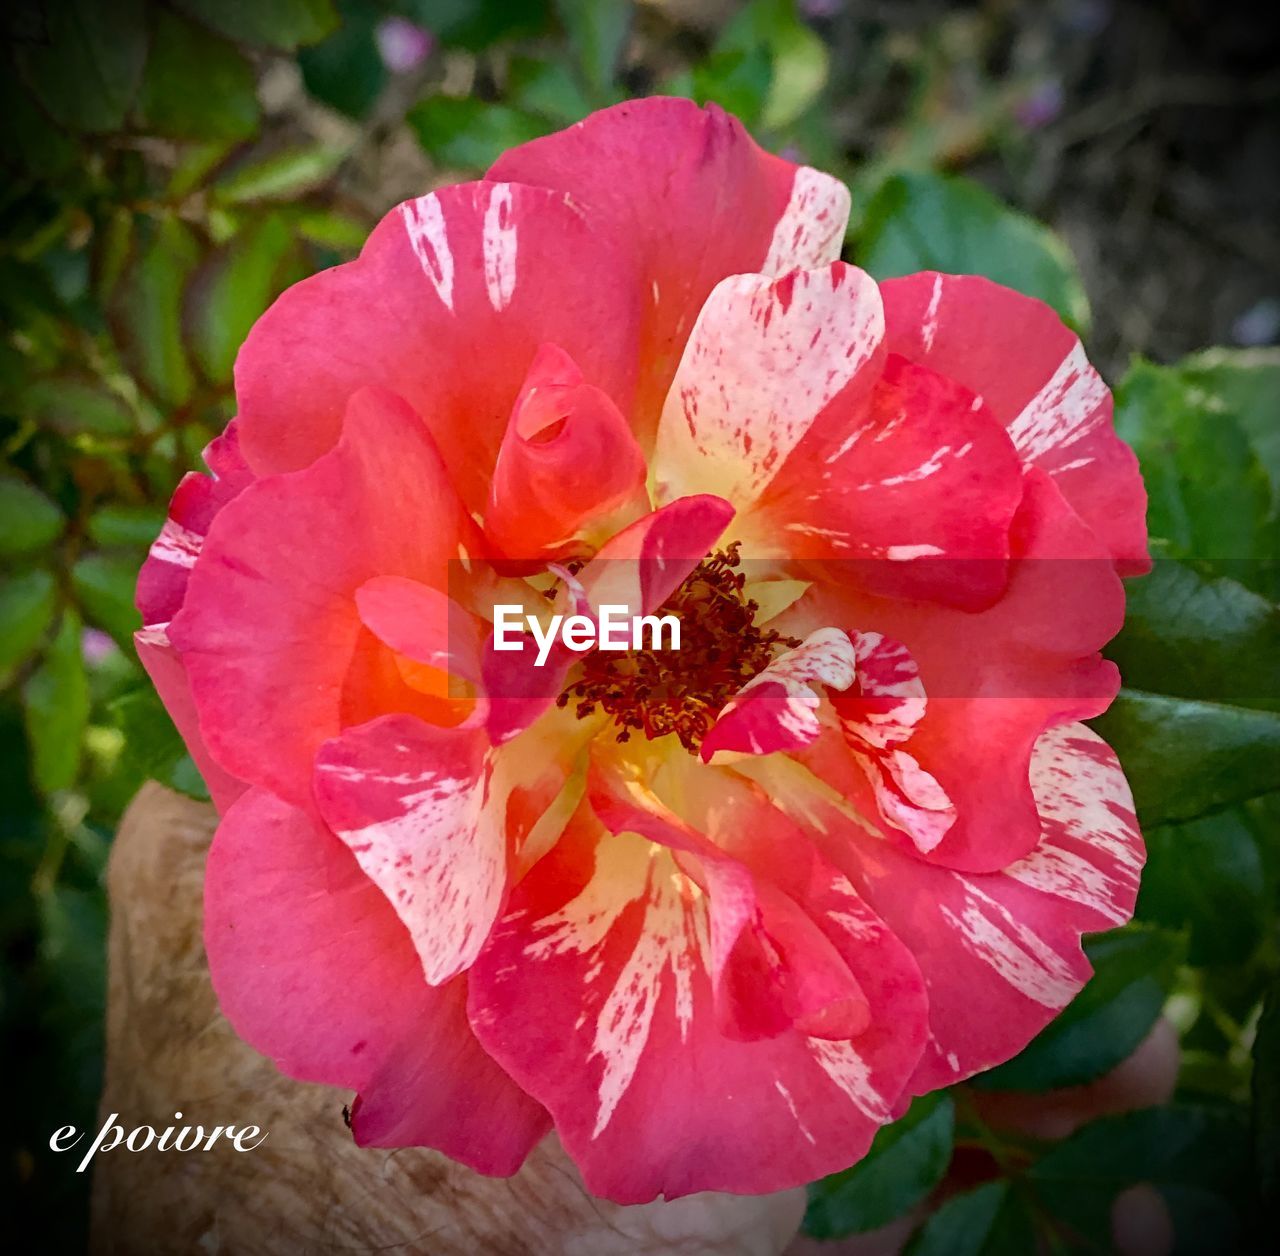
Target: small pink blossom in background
(1259,324)
(713,916)
(1042,105)
(97,646)
(402,44)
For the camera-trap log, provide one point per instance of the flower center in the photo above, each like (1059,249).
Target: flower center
(660,692)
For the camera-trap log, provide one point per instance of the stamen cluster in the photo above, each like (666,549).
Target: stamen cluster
(681,692)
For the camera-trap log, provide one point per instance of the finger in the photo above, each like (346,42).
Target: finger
(1142,1080)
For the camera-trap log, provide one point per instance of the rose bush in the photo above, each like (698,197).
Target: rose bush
(715,914)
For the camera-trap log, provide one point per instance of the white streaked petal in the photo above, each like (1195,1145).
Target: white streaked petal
(764,359)
(811,229)
(425,227)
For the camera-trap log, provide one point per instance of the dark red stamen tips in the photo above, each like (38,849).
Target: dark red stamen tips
(662,692)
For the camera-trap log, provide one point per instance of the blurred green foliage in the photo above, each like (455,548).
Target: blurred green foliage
(172,166)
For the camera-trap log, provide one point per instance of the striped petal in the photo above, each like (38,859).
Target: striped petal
(596,994)
(446,305)
(778,708)
(1032,374)
(1000,951)
(875,690)
(909,491)
(417,807)
(877,717)
(696,200)
(162,582)
(771,968)
(998,678)
(765,359)
(313,968)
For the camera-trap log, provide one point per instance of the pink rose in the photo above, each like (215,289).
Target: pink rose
(716,914)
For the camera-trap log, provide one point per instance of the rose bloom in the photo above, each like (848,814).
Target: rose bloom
(713,914)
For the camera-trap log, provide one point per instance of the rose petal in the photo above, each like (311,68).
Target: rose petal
(696,200)
(595,994)
(567,461)
(764,360)
(999,678)
(418,808)
(312,967)
(162,582)
(909,491)
(1031,373)
(270,631)
(446,306)
(771,968)
(777,709)
(164,666)
(422,624)
(1000,951)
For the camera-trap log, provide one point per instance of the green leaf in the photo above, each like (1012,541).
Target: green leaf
(279,177)
(27,603)
(546,88)
(597,30)
(338,232)
(905,1162)
(56,705)
(992,1220)
(799,73)
(113,246)
(1206,876)
(145,311)
(281,24)
(195,164)
(72,965)
(72,406)
(1266,1100)
(766,65)
(479,24)
(469,134)
(931,222)
(1185,758)
(736,79)
(233,289)
(1246,384)
(1209,493)
(132,527)
(1196,1157)
(1134,970)
(346,71)
(196,86)
(1194,635)
(153,744)
(104,583)
(29,521)
(86,69)
(29,141)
